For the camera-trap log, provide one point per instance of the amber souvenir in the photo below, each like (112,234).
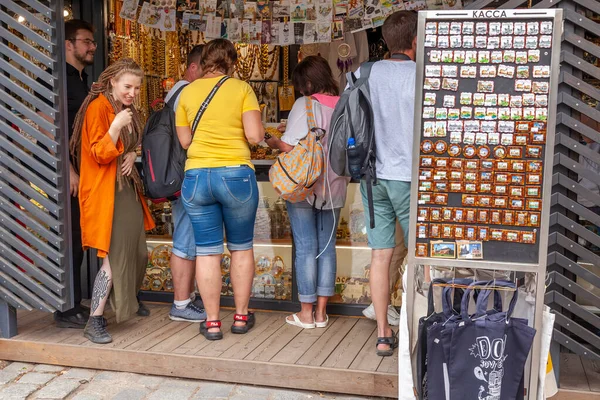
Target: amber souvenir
(533,179)
(516,191)
(517,165)
(469,200)
(517,179)
(459,215)
(487,165)
(500,189)
(421,250)
(455,187)
(471,165)
(532,191)
(456,175)
(425,174)
(483,216)
(454,150)
(508,217)
(427,161)
(512,236)
(533,204)
(499,152)
(538,137)
(440,147)
(435,230)
(502,177)
(424,198)
(486,176)
(516,204)
(441,198)
(521,218)
(496,217)
(422,214)
(528,237)
(425,186)
(459,232)
(483,152)
(440,186)
(427,146)
(533,151)
(485,187)
(485,201)
(501,201)
(447,214)
(497,234)
(440,174)
(470,176)
(471,232)
(521,140)
(471,216)
(435,214)
(447,231)
(502,165)
(422,231)
(483,233)
(534,166)
(534,219)
(469,151)
(441,162)
(515,152)
(456,163)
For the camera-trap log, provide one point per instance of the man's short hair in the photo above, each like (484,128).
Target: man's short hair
(399,30)
(74,25)
(195,55)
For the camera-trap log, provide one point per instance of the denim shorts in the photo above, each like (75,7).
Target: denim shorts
(217,198)
(391,201)
(184,245)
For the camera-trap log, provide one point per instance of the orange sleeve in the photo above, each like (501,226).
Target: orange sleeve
(102,148)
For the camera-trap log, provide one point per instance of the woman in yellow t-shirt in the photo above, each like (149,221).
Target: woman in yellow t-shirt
(219,189)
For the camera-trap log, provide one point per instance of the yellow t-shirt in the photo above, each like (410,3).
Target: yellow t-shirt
(219,140)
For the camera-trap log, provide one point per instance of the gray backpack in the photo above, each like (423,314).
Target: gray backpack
(353,118)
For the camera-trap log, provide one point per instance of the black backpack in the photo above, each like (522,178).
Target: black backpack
(163,158)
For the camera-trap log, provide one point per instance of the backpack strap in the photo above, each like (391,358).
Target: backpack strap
(365,71)
(173,99)
(310,115)
(206,102)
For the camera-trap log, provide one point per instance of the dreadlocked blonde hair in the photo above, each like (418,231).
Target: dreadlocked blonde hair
(130,141)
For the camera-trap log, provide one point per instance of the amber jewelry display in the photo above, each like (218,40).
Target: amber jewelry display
(268,60)
(247,55)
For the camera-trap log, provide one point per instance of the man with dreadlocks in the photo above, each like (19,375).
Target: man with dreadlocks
(114,214)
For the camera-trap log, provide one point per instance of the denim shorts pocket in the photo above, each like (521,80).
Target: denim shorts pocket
(188,188)
(239,187)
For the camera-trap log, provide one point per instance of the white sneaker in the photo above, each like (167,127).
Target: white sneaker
(392,315)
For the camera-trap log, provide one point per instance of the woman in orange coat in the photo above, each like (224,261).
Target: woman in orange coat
(114,214)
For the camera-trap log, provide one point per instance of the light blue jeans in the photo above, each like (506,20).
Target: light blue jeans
(312,230)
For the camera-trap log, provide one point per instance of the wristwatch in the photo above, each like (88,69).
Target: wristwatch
(268,136)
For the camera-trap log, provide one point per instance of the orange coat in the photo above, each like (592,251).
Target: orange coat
(98,175)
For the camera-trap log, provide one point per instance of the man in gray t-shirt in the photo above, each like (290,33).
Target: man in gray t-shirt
(392,89)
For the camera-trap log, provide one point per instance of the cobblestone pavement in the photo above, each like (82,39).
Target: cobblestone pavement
(19,381)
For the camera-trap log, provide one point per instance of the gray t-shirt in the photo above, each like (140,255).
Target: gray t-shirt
(173,90)
(392,88)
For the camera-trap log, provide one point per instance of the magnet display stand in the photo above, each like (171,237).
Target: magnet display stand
(485,115)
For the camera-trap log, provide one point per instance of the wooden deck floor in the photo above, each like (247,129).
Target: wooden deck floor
(340,358)
(579,378)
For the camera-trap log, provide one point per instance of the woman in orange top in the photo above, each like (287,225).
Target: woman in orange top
(114,214)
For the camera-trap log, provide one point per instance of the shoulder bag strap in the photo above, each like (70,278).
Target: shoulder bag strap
(206,102)
(310,116)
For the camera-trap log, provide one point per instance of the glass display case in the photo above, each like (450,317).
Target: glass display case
(273,286)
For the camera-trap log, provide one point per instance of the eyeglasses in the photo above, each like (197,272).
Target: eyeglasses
(87,42)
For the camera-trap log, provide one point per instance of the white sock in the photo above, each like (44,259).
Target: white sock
(192,296)
(180,305)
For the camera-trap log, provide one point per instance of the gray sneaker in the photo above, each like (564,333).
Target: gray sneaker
(190,313)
